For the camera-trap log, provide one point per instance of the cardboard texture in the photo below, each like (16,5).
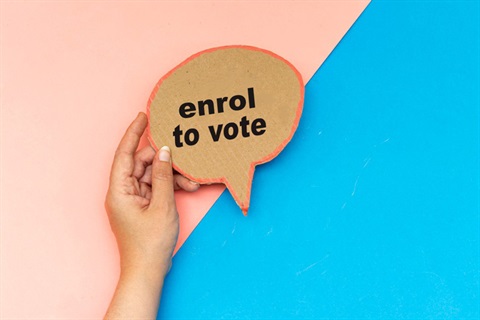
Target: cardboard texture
(225,110)
(74,74)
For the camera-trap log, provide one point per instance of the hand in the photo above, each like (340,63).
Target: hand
(141,208)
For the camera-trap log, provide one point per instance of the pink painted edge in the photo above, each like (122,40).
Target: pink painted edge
(245,203)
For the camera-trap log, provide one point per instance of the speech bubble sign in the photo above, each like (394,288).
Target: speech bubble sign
(225,110)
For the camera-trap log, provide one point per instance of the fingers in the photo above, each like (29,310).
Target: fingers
(147,176)
(143,158)
(123,163)
(162,180)
(180,182)
(145,190)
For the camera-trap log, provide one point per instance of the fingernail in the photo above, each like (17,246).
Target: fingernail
(164,154)
(193,182)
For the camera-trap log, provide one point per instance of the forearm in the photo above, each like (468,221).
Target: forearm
(137,296)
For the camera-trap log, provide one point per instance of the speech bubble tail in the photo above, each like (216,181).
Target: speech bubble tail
(240,185)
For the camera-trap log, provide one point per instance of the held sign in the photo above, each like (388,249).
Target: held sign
(225,110)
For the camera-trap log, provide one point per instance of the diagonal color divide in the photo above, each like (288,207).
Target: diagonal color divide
(327,23)
(73,75)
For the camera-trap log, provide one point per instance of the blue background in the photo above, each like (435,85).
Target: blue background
(372,210)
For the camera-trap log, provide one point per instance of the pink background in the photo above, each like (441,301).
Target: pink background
(73,76)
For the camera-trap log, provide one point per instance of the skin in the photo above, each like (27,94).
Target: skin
(143,216)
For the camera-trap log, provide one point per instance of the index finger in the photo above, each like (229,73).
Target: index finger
(123,162)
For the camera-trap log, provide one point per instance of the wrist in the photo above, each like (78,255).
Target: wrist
(151,272)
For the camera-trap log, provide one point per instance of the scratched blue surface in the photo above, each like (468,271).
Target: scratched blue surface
(372,210)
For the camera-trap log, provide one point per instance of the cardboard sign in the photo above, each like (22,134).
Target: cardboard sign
(225,110)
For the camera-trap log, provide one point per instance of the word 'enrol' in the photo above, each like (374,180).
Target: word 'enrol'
(230,130)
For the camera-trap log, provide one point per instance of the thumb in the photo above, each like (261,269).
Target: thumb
(162,180)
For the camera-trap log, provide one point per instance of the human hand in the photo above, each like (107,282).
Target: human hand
(141,205)
(143,216)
